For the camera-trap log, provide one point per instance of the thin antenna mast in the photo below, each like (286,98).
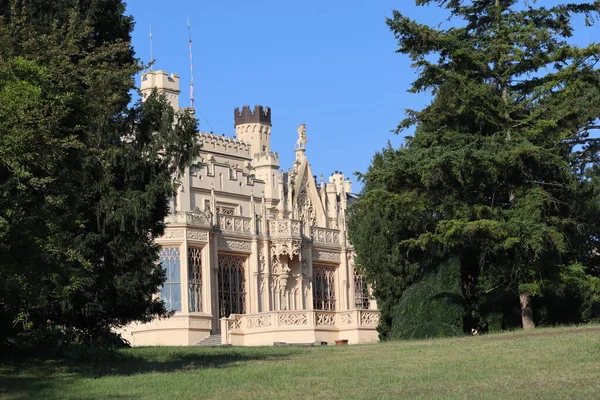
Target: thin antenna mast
(191,66)
(151,56)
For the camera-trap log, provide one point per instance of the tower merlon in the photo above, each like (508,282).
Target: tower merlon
(160,80)
(260,115)
(164,83)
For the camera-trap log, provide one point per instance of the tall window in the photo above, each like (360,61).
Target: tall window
(171,290)
(195,279)
(232,285)
(361,292)
(324,288)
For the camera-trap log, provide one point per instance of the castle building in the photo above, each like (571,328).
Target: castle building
(253,254)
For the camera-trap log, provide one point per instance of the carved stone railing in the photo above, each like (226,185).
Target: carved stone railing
(284,228)
(325,236)
(232,223)
(190,218)
(286,320)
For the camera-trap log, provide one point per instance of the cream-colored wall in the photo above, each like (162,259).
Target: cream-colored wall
(230,172)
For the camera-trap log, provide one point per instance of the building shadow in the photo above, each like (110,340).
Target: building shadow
(25,378)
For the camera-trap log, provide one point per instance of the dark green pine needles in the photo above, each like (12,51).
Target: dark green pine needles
(499,179)
(85,178)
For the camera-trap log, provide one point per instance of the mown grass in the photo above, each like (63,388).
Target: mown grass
(548,363)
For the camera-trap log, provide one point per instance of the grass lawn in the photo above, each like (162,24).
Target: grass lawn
(546,364)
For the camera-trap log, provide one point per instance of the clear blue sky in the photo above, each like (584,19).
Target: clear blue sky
(330,64)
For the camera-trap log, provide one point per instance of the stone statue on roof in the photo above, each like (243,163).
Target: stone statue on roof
(301,143)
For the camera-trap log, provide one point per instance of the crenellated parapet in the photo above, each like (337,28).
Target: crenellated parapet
(225,145)
(260,115)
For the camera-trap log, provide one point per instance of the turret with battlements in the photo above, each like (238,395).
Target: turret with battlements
(164,83)
(254,127)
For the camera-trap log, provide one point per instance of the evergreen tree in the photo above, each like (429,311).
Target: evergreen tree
(497,173)
(85,178)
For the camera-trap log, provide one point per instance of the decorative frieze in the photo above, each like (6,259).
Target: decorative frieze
(326,256)
(234,244)
(173,234)
(195,234)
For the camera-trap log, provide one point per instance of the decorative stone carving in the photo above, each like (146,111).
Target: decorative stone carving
(173,234)
(195,218)
(262,261)
(194,234)
(234,244)
(346,318)
(260,321)
(369,317)
(324,318)
(326,255)
(233,223)
(293,318)
(289,247)
(236,323)
(325,236)
(302,139)
(262,282)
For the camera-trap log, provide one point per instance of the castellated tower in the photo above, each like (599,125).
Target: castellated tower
(164,83)
(254,127)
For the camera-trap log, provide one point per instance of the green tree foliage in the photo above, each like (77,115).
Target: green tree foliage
(499,173)
(432,307)
(85,177)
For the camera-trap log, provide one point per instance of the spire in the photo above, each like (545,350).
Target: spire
(151,55)
(191,65)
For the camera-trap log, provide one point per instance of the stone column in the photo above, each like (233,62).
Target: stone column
(207,278)
(344,280)
(214,273)
(253,288)
(309,275)
(184,276)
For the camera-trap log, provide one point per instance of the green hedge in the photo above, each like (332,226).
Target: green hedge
(433,307)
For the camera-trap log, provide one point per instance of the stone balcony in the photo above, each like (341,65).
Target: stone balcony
(284,228)
(196,218)
(324,236)
(236,224)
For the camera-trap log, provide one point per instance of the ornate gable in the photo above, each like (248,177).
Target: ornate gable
(306,201)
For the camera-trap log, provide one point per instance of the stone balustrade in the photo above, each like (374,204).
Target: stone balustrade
(325,236)
(293,321)
(284,228)
(233,223)
(190,218)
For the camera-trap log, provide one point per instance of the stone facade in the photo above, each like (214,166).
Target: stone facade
(254,253)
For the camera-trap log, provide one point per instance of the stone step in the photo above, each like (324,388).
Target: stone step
(212,340)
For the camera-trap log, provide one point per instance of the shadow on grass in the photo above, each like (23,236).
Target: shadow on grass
(37,377)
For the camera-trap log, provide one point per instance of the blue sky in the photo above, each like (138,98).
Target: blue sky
(328,64)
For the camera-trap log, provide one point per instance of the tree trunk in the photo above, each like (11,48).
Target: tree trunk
(526,313)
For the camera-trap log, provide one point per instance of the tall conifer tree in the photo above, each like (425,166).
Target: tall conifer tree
(497,173)
(85,178)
